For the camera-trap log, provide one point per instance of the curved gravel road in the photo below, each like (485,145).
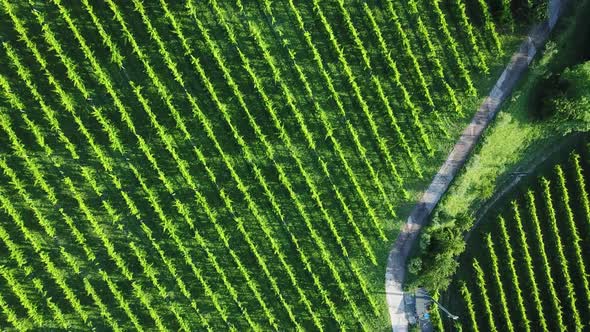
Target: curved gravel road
(396,262)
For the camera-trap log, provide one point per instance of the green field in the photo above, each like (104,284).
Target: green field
(526,267)
(224,165)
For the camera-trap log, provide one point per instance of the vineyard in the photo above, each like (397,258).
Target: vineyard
(230,165)
(531,272)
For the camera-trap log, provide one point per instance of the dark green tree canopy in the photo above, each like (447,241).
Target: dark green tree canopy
(572,103)
(563,99)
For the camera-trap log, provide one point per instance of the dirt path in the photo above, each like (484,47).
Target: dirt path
(396,262)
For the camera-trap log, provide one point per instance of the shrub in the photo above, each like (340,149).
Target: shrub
(415,265)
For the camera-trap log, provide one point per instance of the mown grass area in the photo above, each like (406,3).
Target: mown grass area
(517,134)
(223,165)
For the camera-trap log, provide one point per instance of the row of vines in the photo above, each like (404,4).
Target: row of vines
(219,165)
(542,284)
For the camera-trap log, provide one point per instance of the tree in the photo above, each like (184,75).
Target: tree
(562,99)
(571,104)
(444,242)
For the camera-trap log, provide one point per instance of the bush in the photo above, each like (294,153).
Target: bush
(415,265)
(544,91)
(563,99)
(436,264)
(572,104)
(540,9)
